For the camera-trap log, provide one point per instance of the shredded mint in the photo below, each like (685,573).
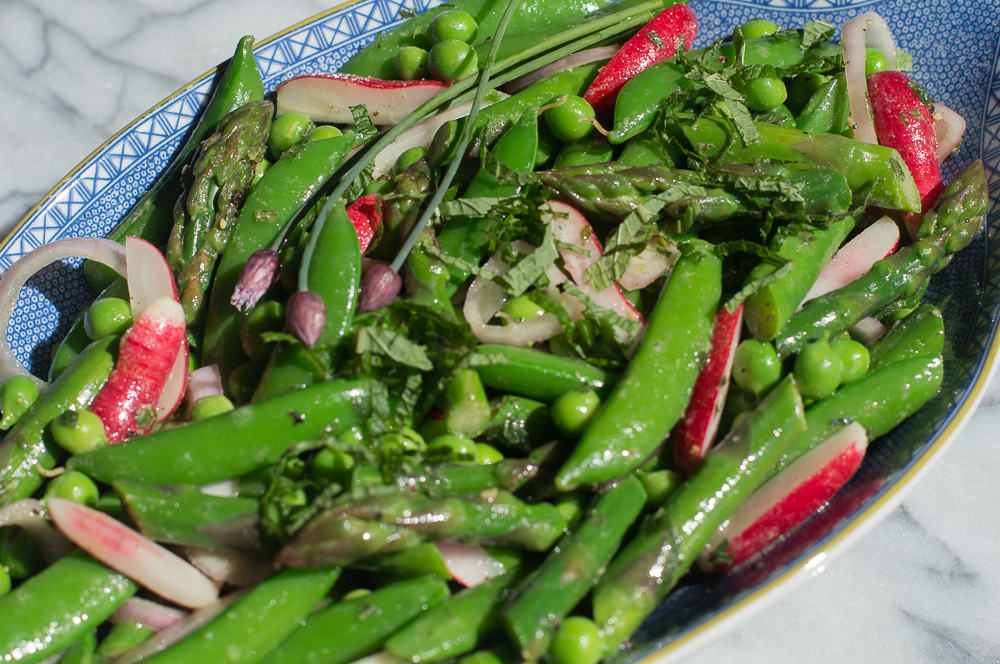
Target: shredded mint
(756,285)
(471,207)
(532,267)
(816,32)
(600,314)
(366,129)
(392,344)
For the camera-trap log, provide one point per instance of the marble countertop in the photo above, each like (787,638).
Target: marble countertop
(923,587)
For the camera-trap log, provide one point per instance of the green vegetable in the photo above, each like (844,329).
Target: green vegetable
(73,486)
(19,394)
(106,317)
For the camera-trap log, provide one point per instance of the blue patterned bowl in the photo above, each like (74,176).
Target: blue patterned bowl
(956,56)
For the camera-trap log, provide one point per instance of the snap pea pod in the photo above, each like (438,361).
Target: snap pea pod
(537,375)
(919,334)
(257,623)
(284,188)
(234,443)
(827,111)
(183,515)
(123,638)
(454,627)
(428,278)
(520,423)
(26,447)
(668,542)
(215,187)
(547,595)
(809,249)
(643,407)
(879,401)
(334,273)
(388,524)
(348,630)
(55,607)
(82,650)
(152,217)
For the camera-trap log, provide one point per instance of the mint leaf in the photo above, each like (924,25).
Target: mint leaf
(394,345)
(366,129)
(816,32)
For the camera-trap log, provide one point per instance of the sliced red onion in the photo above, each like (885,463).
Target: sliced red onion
(203,382)
(562,64)
(183,628)
(486,298)
(104,251)
(229,567)
(153,615)
(949,127)
(865,31)
(29,514)
(137,557)
(469,564)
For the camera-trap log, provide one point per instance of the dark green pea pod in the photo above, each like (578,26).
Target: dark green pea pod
(26,447)
(539,375)
(643,407)
(152,217)
(809,249)
(919,334)
(334,274)
(52,609)
(428,278)
(234,443)
(257,623)
(827,110)
(77,340)
(454,627)
(123,638)
(550,593)
(82,650)
(285,187)
(592,150)
(349,630)
(668,542)
(184,516)
(520,423)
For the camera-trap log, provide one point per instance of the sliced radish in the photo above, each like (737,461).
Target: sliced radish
(126,551)
(469,564)
(865,31)
(229,567)
(868,330)
(562,64)
(107,252)
(855,259)
(671,30)
(328,97)
(788,499)
(366,215)
(651,264)
(571,227)
(696,432)
(203,382)
(127,402)
(949,127)
(151,614)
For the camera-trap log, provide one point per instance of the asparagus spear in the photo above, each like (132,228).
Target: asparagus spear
(957,218)
(215,187)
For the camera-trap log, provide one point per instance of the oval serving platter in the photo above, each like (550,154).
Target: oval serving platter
(101,189)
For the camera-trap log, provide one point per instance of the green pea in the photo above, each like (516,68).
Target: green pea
(75,486)
(756,368)
(78,431)
(801,90)
(456,25)
(481,657)
(765,93)
(573,411)
(488,454)
(855,358)
(452,449)
(411,63)
(330,465)
(322,132)
(522,308)
(357,593)
(452,60)
(659,484)
(403,443)
(818,370)
(107,317)
(756,28)
(410,157)
(18,395)
(874,61)
(210,406)
(569,121)
(737,402)
(288,130)
(578,641)
(548,148)
(594,150)
(5,581)
(433,427)
(266,317)
(355,436)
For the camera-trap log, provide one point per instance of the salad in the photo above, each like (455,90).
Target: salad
(577,272)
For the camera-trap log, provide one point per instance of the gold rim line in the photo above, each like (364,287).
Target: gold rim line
(152,109)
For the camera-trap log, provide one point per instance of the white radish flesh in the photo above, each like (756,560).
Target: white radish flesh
(469,564)
(137,557)
(328,97)
(229,567)
(856,258)
(861,32)
(151,614)
(651,264)
(949,127)
(868,330)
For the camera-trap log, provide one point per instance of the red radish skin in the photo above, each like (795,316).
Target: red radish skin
(366,215)
(137,557)
(904,122)
(789,498)
(656,41)
(856,258)
(695,434)
(126,404)
(328,97)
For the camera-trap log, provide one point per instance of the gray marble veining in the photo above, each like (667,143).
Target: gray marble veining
(923,587)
